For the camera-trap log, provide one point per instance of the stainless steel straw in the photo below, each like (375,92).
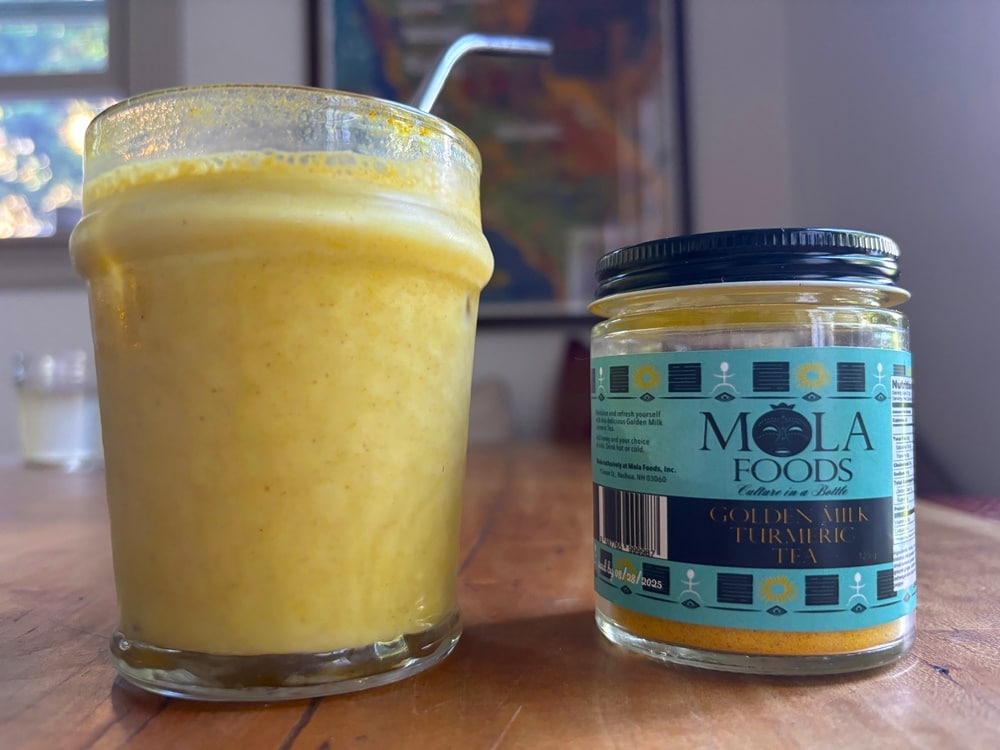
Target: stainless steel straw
(430,87)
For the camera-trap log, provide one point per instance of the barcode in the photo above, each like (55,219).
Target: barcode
(631,521)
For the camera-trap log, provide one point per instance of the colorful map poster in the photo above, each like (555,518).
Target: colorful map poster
(580,151)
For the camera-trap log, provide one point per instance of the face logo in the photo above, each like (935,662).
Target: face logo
(782,432)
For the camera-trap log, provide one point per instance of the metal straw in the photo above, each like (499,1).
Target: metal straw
(430,87)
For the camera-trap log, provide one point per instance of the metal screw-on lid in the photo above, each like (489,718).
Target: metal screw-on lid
(751,255)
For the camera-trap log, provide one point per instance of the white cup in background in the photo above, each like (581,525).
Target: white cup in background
(59,420)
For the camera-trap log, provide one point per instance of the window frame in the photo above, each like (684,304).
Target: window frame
(27,262)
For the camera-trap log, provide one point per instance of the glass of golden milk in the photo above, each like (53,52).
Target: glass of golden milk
(284,285)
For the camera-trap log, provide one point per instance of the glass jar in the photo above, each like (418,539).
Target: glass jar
(60,426)
(753,453)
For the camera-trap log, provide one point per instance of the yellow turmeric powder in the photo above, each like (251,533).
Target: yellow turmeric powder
(762,642)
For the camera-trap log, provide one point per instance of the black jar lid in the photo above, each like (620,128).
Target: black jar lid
(751,255)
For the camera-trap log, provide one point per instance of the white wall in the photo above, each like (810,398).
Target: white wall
(876,115)
(738,68)
(243,41)
(528,362)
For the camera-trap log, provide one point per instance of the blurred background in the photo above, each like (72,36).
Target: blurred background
(882,116)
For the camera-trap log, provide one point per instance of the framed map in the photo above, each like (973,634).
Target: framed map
(582,152)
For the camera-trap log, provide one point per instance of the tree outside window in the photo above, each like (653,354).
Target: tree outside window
(55,75)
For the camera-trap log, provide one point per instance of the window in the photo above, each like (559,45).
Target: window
(61,62)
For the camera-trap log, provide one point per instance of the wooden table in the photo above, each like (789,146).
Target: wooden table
(531,669)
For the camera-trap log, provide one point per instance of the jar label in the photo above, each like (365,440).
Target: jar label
(767,489)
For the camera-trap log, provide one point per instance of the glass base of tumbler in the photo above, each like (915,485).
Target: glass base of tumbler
(274,677)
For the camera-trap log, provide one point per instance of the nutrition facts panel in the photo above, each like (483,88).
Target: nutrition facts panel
(903,497)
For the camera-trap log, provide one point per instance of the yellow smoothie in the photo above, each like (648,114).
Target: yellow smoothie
(284,347)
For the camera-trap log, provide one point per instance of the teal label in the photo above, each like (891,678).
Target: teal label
(767,489)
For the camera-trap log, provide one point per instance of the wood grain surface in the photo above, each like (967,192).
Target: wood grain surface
(531,670)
